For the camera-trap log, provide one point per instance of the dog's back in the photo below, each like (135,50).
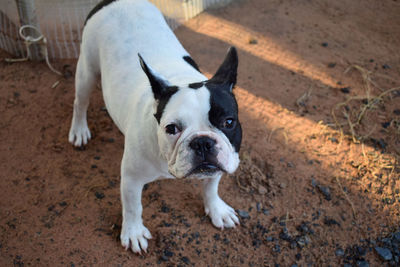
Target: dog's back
(132,26)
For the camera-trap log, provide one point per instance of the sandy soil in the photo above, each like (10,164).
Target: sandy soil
(311,190)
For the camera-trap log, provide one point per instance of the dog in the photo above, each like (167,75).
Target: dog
(176,122)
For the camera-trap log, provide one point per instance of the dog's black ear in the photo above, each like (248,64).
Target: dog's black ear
(227,72)
(159,85)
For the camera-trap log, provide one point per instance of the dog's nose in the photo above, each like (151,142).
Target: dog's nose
(202,145)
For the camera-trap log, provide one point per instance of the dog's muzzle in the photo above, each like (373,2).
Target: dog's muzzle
(204,156)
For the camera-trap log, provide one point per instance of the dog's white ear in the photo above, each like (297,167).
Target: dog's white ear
(227,72)
(159,85)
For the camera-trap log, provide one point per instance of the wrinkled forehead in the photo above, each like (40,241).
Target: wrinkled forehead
(188,105)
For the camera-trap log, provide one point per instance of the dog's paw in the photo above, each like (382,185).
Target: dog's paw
(135,236)
(79,134)
(221,214)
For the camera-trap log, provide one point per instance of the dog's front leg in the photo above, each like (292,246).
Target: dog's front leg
(221,214)
(133,234)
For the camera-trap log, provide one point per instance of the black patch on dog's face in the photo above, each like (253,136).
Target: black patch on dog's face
(97,8)
(191,62)
(162,102)
(223,106)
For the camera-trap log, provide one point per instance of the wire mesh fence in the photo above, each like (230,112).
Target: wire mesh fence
(61,22)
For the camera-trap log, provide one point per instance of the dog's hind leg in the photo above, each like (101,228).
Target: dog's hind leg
(85,78)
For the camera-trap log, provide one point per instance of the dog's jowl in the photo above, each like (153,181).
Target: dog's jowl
(176,122)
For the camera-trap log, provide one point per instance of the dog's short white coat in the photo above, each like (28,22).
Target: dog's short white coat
(111,41)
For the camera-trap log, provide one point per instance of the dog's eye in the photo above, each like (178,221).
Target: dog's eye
(229,123)
(172,129)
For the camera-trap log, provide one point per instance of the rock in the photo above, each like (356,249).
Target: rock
(324,44)
(243,214)
(269,239)
(185,260)
(396,236)
(314,182)
(331,65)
(165,208)
(345,90)
(284,235)
(385,124)
(99,195)
(253,41)
(258,206)
(330,221)
(384,253)
(326,192)
(168,253)
(265,211)
(262,190)
(339,252)
(276,248)
(362,263)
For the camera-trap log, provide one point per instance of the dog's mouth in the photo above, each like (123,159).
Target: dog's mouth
(205,168)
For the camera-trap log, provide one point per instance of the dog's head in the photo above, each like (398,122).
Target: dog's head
(199,133)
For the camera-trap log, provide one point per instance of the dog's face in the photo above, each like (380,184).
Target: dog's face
(199,133)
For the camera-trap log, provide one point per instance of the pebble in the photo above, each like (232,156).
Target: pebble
(362,263)
(396,236)
(324,44)
(276,248)
(331,65)
(243,214)
(345,90)
(265,211)
(314,182)
(253,41)
(339,252)
(325,191)
(165,209)
(262,190)
(185,260)
(330,221)
(304,228)
(284,235)
(99,195)
(258,206)
(290,165)
(269,239)
(385,124)
(396,111)
(384,253)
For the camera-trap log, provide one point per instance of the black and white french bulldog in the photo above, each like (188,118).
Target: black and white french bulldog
(176,122)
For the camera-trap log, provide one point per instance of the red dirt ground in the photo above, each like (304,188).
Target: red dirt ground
(309,187)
